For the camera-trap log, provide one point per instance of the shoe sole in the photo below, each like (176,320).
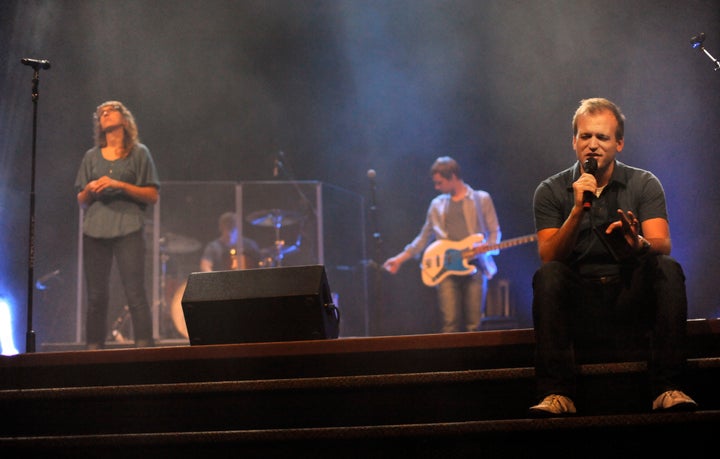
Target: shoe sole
(543,414)
(680,407)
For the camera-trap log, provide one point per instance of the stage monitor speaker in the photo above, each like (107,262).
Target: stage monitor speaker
(259,305)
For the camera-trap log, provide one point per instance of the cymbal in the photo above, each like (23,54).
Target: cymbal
(274,218)
(176,243)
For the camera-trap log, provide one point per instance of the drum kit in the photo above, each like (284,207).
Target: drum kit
(276,219)
(172,244)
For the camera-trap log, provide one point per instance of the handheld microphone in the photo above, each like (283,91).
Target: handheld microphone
(590,166)
(36,63)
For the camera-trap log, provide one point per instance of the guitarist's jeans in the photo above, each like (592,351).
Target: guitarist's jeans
(642,312)
(461,300)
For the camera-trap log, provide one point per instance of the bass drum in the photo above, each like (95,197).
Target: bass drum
(176,311)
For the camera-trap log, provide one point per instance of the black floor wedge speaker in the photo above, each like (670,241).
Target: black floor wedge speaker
(259,305)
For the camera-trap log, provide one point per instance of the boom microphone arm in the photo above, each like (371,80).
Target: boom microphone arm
(697,43)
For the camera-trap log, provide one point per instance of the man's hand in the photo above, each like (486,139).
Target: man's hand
(629,225)
(392,265)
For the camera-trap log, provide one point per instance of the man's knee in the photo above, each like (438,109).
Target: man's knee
(671,268)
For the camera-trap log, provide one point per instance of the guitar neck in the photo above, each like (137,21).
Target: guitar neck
(482,248)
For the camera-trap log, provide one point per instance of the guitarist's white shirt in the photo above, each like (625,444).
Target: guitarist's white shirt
(480,218)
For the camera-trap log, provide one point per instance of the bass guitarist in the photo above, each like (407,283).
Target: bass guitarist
(454,215)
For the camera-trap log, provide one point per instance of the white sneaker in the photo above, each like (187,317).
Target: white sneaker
(554,405)
(674,400)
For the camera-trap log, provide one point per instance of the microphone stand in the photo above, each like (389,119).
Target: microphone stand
(30,334)
(375,262)
(716,65)
(279,170)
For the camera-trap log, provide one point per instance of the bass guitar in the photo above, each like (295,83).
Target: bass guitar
(443,258)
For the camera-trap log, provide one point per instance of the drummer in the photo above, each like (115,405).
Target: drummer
(224,253)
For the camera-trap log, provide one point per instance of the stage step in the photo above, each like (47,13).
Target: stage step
(595,436)
(344,401)
(412,396)
(303,359)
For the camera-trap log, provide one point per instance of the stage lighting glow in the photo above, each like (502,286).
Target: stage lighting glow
(7,346)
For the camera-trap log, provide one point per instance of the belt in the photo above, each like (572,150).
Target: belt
(604,280)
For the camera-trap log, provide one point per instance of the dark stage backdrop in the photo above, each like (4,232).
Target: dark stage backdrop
(219,88)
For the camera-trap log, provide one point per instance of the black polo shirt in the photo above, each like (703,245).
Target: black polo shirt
(629,189)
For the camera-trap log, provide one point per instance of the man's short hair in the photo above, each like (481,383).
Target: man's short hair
(446,167)
(598,104)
